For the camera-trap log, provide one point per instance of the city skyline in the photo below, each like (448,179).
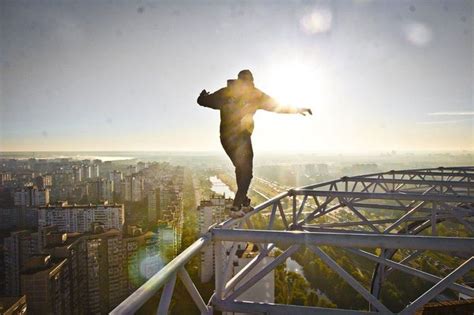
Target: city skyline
(124,76)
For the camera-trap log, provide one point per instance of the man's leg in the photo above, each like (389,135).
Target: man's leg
(239,149)
(243,170)
(230,147)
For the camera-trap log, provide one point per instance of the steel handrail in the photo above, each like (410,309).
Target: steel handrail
(136,300)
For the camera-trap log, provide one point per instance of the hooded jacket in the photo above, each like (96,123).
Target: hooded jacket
(238,103)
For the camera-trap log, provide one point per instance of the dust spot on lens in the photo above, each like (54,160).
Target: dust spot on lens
(317,21)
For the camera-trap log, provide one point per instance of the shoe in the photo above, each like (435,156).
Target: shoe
(234,214)
(247,209)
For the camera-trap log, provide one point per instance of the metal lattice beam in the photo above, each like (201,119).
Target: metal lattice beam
(386,211)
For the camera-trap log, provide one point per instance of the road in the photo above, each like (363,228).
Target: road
(197,191)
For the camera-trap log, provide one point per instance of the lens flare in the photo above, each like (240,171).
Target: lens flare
(318,21)
(150,265)
(418,34)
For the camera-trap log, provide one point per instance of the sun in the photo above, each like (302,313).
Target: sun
(293,84)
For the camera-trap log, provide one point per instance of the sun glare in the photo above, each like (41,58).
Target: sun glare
(292,84)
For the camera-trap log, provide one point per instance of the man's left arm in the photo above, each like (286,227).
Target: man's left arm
(269,104)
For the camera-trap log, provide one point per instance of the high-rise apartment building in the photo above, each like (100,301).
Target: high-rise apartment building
(45,282)
(211,211)
(79,218)
(31,197)
(104,261)
(5,177)
(169,240)
(86,171)
(77,174)
(18,248)
(18,218)
(140,257)
(141,166)
(100,190)
(164,203)
(131,169)
(72,247)
(116,177)
(134,187)
(95,171)
(62,178)
(13,305)
(153,205)
(44,181)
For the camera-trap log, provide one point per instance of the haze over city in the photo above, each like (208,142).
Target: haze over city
(379,75)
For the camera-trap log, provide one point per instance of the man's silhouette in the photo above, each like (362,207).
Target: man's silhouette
(237,103)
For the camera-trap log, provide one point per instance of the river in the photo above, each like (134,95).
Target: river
(219,187)
(292,265)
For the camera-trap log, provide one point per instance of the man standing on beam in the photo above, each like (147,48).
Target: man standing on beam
(238,103)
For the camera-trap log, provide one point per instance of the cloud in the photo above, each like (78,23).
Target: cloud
(451,114)
(444,122)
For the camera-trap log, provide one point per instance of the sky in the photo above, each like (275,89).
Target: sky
(125,75)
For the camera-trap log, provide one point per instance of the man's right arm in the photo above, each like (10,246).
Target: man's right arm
(214,100)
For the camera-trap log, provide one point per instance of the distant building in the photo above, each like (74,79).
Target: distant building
(210,211)
(86,172)
(5,177)
(116,177)
(169,240)
(169,199)
(323,169)
(95,171)
(100,190)
(18,248)
(45,282)
(153,205)
(19,218)
(62,178)
(31,197)
(79,218)
(77,174)
(13,305)
(131,169)
(141,166)
(9,218)
(134,187)
(44,181)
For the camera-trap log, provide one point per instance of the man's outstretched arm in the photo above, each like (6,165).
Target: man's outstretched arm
(213,100)
(271,105)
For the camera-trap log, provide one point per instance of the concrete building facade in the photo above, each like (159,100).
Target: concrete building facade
(79,218)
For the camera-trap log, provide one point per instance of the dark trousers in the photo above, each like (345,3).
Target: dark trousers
(239,149)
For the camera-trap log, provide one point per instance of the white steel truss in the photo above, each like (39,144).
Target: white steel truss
(395,212)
